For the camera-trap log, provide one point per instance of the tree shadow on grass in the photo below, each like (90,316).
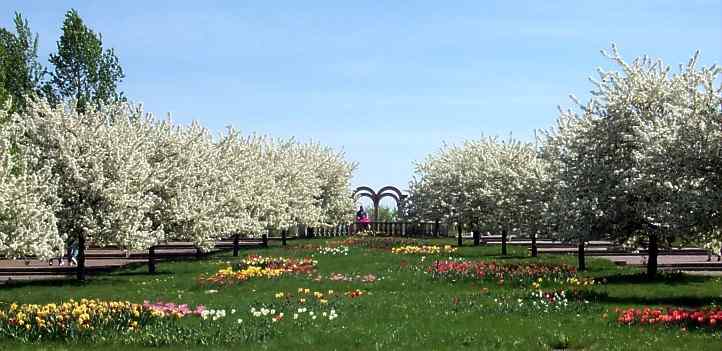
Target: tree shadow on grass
(515,257)
(654,291)
(677,301)
(58,282)
(140,273)
(670,278)
(70,281)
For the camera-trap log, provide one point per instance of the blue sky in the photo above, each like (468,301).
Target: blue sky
(386,81)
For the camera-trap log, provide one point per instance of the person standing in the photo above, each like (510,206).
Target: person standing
(59,258)
(711,252)
(362,218)
(73,252)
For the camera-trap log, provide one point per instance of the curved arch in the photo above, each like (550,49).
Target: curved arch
(363,188)
(392,189)
(376,196)
(360,195)
(391,195)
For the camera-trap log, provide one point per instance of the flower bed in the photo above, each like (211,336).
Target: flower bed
(423,249)
(342,277)
(534,302)
(573,283)
(341,250)
(305,305)
(163,309)
(286,264)
(707,318)
(513,274)
(71,319)
(227,276)
(379,242)
(263,267)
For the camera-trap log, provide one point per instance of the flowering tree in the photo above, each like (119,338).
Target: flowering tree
(509,180)
(104,181)
(27,200)
(334,198)
(574,188)
(490,185)
(535,197)
(297,186)
(642,158)
(210,188)
(248,181)
(191,180)
(114,175)
(436,190)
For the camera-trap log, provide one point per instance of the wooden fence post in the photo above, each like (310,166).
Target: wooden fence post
(81,258)
(458,228)
(503,241)
(580,256)
(235,245)
(534,249)
(151,260)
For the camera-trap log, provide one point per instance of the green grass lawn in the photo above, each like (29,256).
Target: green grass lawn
(404,309)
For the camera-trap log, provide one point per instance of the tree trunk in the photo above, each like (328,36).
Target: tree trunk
(81,258)
(534,250)
(264,239)
(477,237)
(580,256)
(503,242)
(235,245)
(458,238)
(151,260)
(283,237)
(653,253)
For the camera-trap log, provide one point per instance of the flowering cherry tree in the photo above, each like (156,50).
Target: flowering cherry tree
(98,160)
(436,191)
(642,158)
(491,185)
(114,175)
(574,188)
(334,196)
(28,226)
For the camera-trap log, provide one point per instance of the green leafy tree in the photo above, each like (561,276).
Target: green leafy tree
(84,72)
(20,73)
(386,214)
(3,92)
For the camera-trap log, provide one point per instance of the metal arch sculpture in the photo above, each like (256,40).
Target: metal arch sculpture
(387,191)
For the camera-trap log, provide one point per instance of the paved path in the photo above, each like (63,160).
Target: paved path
(98,259)
(664,259)
(93,263)
(44,264)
